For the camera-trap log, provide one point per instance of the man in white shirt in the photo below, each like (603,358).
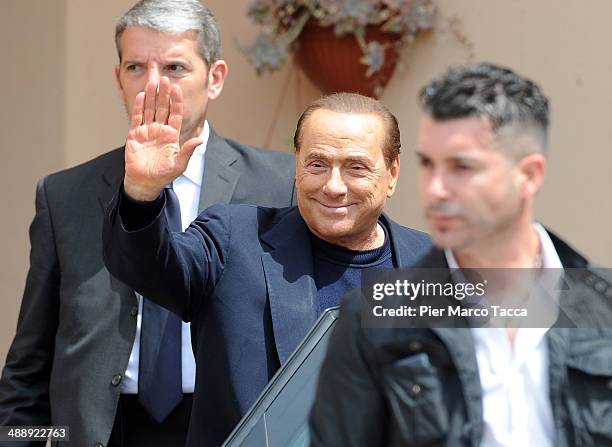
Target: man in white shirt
(83,357)
(482,153)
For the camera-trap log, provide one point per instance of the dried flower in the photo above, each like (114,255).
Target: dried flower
(283,21)
(373,57)
(266,54)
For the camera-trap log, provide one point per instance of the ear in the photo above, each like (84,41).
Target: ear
(216,77)
(118,85)
(394,171)
(532,169)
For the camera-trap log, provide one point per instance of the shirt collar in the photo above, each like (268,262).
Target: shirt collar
(194,169)
(550,257)
(450,259)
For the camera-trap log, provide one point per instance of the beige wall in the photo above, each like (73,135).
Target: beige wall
(61,108)
(566,49)
(32,119)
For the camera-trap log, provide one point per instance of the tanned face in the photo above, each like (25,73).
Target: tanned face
(341,176)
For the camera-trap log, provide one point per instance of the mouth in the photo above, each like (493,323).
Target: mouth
(441,219)
(335,208)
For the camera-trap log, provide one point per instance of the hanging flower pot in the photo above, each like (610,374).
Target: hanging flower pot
(341,45)
(339,64)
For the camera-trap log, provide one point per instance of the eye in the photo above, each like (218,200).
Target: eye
(131,67)
(462,167)
(425,162)
(316,165)
(357,167)
(175,68)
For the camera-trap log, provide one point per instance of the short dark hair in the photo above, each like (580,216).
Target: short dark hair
(355,103)
(494,92)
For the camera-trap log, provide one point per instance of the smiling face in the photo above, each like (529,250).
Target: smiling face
(341,176)
(474,194)
(148,55)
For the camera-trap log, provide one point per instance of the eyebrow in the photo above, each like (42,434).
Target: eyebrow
(323,155)
(176,60)
(462,158)
(169,61)
(454,158)
(126,62)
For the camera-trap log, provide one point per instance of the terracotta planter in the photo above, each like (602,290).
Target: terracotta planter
(332,63)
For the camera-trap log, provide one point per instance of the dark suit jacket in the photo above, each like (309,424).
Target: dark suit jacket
(243,276)
(74,333)
(366,394)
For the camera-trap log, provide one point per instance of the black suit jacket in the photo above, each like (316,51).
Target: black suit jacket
(77,323)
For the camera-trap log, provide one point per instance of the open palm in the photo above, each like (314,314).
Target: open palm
(153,154)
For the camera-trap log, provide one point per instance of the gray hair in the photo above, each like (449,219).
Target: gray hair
(175,16)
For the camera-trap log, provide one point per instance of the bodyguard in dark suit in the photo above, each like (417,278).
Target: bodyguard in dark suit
(78,325)
(252,280)
(544,380)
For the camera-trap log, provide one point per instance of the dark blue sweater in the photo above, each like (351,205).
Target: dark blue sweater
(338,270)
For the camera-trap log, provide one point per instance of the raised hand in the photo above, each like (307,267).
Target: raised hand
(153,154)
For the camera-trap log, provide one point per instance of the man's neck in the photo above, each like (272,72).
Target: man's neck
(521,250)
(370,241)
(518,249)
(193,134)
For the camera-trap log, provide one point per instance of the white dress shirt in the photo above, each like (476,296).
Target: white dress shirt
(187,188)
(514,378)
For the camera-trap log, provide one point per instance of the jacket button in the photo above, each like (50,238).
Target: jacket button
(415,389)
(134,311)
(590,279)
(600,286)
(415,346)
(116,380)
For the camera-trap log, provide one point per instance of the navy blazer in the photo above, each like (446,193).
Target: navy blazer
(243,276)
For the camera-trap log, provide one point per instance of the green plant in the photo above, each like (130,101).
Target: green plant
(282,22)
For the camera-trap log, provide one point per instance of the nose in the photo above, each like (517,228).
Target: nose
(335,186)
(153,73)
(435,186)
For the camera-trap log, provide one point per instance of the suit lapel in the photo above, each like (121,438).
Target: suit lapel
(220,177)
(288,269)
(402,247)
(108,184)
(111,178)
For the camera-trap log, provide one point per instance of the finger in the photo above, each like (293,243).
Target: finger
(175,120)
(163,101)
(190,146)
(149,104)
(137,109)
(187,150)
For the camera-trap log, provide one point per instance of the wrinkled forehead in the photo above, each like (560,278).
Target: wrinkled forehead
(327,124)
